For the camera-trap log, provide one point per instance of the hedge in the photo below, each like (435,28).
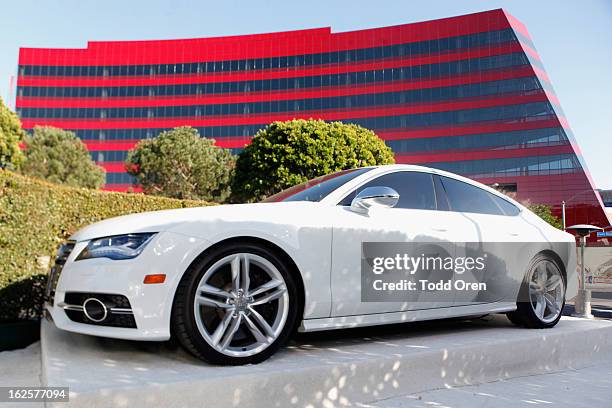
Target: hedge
(36,217)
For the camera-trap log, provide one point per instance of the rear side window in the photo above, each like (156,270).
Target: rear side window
(464,197)
(416,189)
(507,207)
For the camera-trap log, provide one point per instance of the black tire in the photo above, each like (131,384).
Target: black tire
(524,315)
(183,323)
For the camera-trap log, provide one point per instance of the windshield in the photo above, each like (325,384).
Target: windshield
(318,188)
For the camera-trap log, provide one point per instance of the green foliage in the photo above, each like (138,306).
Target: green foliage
(10,135)
(288,153)
(545,213)
(35,217)
(60,157)
(181,164)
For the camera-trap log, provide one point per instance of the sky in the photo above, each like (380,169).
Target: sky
(573,38)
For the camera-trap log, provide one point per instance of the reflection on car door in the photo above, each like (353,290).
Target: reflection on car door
(419,216)
(496,224)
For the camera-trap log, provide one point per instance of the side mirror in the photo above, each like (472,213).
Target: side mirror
(378,196)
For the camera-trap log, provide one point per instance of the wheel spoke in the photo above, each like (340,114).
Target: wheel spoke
(212,290)
(540,306)
(236,273)
(553,283)
(551,303)
(272,284)
(231,331)
(261,322)
(270,296)
(222,328)
(245,269)
(259,336)
(210,301)
(534,286)
(541,274)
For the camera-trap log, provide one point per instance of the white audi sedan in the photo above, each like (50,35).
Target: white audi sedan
(232,282)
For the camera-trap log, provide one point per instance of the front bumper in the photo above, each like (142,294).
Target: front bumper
(149,304)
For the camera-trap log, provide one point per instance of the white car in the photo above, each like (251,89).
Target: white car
(232,282)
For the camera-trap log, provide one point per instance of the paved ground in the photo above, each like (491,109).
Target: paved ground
(585,388)
(321,369)
(21,367)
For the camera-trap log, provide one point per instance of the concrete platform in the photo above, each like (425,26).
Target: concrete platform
(321,369)
(589,387)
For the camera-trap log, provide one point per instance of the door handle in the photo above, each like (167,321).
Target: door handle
(513,234)
(439,229)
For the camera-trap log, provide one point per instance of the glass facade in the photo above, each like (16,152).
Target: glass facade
(466,94)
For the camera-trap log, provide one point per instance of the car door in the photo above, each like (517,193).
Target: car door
(419,216)
(499,234)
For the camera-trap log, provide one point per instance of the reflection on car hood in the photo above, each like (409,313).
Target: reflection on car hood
(157,221)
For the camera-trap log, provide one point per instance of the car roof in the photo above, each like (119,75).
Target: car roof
(389,168)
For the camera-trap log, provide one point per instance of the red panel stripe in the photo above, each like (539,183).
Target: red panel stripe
(261,45)
(224,120)
(316,70)
(112,146)
(122,187)
(123,145)
(377,87)
(481,154)
(113,167)
(485,127)
(385,134)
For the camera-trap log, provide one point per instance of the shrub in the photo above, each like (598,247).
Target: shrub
(35,217)
(59,156)
(181,164)
(545,213)
(541,210)
(10,136)
(288,153)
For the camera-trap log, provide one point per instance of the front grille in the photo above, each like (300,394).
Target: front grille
(63,253)
(119,309)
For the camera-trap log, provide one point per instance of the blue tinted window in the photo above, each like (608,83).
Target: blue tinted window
(416,189)
(464,197)
(507,207)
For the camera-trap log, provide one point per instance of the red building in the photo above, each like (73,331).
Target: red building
(466,94)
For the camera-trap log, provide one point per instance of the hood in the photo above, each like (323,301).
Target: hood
(165,220)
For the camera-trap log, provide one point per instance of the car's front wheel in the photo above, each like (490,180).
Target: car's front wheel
(542,295)
(237,305)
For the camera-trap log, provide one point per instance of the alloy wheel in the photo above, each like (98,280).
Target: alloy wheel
(546,290)
(241,304)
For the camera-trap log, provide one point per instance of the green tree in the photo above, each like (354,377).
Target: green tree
(181,164)
(11,135)
(288,153)
(58,156)
(545,213)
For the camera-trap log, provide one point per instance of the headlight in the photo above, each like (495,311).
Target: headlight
(116,247)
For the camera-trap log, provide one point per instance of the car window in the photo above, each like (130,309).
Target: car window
(415,189)
(318,188)
(507,207)
(465,197)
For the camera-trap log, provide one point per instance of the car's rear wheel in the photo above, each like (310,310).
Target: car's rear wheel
(235,306)
(542,295)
